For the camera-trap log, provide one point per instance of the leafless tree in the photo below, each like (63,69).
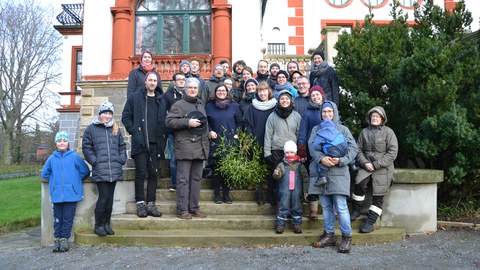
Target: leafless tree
(29,59)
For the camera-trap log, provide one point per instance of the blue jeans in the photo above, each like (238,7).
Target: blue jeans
(290,200)
(173,162)
(63,215)
(340,203)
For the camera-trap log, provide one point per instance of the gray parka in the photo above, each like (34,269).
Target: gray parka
(338,177)
(379,146)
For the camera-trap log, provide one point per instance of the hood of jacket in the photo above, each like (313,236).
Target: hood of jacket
(378,110)
(336,118)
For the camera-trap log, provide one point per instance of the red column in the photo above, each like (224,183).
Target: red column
(122,36)
(221,31)
(450,5)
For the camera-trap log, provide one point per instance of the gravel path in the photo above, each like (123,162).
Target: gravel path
(449,249)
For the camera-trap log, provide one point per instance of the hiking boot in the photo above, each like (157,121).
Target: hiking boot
(64,245)
(297,228)
(279,229)
(100,230)
(152,210)
(108,229)
(141,210)
(369,225)
(218,199)
(346,244)
(227,199)
(326,240)
(199,214)
(56,245)
(184,215)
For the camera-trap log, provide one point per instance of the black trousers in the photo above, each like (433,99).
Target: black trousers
(146,163)
(360,189)
(106,191)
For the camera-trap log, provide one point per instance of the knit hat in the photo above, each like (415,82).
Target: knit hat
(218,66)
(283,72)
(321,53)
(317,88)
(248,81)
(62,135)
(183,63)
(290,146)
(327,105)
(105,107)
(274,65)
(285,92)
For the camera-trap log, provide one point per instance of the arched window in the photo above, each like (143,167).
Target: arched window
(374,3)
(339,3)
(173,26)
(408,3)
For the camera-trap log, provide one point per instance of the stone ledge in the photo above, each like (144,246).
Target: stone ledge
(417,176)
(456,224)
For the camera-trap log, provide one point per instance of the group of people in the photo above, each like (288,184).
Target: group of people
(294,118)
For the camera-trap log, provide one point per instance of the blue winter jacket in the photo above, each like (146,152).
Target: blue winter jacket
(64,172)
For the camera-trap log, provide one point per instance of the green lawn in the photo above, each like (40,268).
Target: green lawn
(19,203)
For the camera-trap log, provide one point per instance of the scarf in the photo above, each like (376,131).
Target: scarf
(148,68)
(222,104)
(286,86)
(314,105)
(97,121)
(320,69)
(282,111)
(190,99)
(262,77)
(291,159)
(249,97)
(264,105)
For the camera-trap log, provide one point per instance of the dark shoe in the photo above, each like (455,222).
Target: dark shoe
(56,245)
(199,214)
(346,244)
(141,210)
(227,199)
(184,215)
(260,198)
(64,245)
(326,240)
(152,210)
(108,229)
(279,229)
(357,207)
(100,230)
(369,225)
(209,175)
(321,181)
(172,189)
(297,228)
(218,199)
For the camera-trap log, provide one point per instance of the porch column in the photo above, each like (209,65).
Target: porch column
(122,34)
(221,31)
(331,37)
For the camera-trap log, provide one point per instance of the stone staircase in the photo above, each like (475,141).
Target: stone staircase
(241,224)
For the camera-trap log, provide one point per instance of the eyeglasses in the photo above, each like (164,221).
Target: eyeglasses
(181,80)
(302,83)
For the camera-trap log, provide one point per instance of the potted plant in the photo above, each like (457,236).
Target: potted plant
(241,161)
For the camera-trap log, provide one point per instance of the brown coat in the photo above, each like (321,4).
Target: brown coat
(187,146)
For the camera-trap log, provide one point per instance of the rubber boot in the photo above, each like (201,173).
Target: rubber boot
(108,216)
(326,240)
(99,228)
(369,225)
(346,244)
(357,207)
(313,210)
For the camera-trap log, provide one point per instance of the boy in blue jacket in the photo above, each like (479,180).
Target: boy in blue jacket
(64,171)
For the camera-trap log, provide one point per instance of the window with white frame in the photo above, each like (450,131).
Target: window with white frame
(374,3)
(408,3)
(339,2)
(173,27)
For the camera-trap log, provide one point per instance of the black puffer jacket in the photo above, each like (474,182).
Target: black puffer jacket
(136,80)
(134,118)
(105,152)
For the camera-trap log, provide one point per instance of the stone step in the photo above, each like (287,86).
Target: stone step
(213,222)
(195,237)
(167,183)
(211,208)
(208,194)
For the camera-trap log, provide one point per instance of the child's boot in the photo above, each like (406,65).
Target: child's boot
(313,210)
(56,245)
(321,181)
(64,245)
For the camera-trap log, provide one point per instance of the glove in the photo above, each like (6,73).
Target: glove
(302,151)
